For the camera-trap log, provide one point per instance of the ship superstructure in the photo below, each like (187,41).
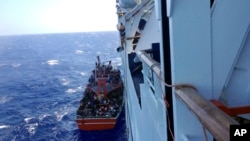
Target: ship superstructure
(186,67)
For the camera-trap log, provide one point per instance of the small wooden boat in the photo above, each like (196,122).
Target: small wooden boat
(102,101)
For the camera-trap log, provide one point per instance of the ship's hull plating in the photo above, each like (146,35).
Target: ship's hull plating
(96,123)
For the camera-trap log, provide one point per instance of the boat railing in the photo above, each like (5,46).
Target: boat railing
(95,117)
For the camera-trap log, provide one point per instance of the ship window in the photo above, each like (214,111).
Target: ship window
(156,52)
(211,3)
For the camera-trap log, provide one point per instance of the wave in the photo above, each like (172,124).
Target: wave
(4,99)
(15,65)
(43,116)
(98,53)
(71,90)
(31,128)
(79,88)
(31,125)
(53,62)
(78,52)
(29,119)
(83,73)
(54,104)
(1,65)
(4,126)
(64,82)
(59,116)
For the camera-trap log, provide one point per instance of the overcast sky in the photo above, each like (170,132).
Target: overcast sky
(55,16)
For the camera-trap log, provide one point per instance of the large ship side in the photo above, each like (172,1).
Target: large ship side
(186,68)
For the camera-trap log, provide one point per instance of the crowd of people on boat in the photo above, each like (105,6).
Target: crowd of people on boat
(105,102)
(105,71)
(96,105)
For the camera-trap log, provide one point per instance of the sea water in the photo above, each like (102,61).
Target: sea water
(42,79)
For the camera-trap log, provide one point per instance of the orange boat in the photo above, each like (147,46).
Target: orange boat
(102,101)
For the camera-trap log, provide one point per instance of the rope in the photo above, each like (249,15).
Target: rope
(205,133)
(167,106)
(177,86)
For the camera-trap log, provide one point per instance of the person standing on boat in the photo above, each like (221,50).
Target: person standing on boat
(121,29)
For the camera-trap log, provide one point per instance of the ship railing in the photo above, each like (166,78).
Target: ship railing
(153,93)
(151,71)
(212,118)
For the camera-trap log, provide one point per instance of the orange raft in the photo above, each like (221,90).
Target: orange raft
(102,102)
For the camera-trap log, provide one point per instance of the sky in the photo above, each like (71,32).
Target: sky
(56,16)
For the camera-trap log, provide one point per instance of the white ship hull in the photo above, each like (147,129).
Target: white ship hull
(200,48)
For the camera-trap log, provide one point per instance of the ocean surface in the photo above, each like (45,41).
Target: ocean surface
(42,79)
